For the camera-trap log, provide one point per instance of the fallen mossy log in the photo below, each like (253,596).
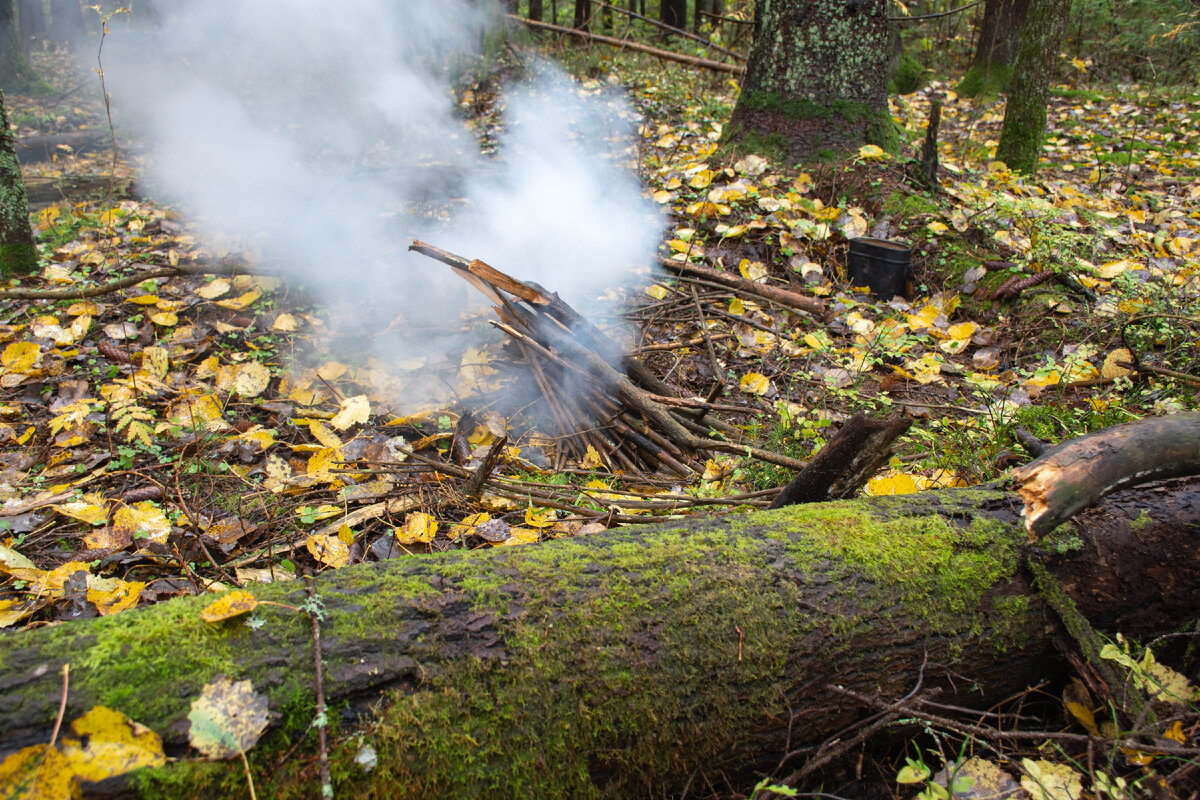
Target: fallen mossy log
(622,665)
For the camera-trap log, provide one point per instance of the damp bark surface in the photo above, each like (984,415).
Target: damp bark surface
(622,665)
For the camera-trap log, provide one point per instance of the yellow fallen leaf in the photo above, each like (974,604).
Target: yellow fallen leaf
(657,291)
(19,356)
(871,152)
(894,483)
(353,410)
(252,379)
(328,550)
(418,528)
(241,301)
(755,383)
(519,536)
(540,517)
(38,772)
(229,605)
(753,270)
(1112,364)
(113,595)
(104,744)
(214,289)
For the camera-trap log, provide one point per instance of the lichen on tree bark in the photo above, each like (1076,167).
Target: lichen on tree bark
(815,83)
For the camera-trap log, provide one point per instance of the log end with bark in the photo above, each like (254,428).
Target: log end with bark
(1077,473)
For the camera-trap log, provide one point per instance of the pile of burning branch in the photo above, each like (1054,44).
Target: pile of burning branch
(599,398)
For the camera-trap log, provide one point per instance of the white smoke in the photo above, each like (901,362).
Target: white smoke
(316,131)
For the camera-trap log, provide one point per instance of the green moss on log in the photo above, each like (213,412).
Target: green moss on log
(618,665)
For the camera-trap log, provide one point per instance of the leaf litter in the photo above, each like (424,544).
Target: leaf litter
(201,428)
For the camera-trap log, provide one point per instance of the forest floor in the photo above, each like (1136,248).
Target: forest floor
(169,426)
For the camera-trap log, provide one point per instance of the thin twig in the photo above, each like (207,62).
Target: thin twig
(62,703)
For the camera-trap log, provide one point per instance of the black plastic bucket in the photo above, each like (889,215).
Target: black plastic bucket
(882,265)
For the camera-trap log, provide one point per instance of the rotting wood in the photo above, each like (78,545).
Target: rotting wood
(619,665)
(1078,472)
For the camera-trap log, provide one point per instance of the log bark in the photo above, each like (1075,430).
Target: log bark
(1078,472)
(621,665)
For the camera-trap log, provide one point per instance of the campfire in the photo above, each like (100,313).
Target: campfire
(601,401)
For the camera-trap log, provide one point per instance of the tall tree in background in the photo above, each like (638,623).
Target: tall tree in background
(535,10)
(1029,90)
(33,22)
(583,14)
(995,47)
(18,254)
(66,21)
(816,78)
(15,72)
(673,13)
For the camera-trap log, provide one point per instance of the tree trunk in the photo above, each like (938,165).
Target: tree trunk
(703,8)
(673,13)
(816,80)
(15,73)
(18,254)
(625,664)
(1025,114)
(535,10)
(66,21)
(583,15)
(32,21)
(995,47)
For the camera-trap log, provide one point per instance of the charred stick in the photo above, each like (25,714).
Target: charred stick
(474,485)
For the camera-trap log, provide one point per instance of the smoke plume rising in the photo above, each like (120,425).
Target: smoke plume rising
(326,135)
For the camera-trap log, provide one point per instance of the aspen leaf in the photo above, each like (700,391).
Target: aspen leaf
(252,379)
(214,289)
(657,291)
(540,517)
(753,270)
(19,356)
(1046,780)
(520,536)
(38,772)
(894,483)
(1112,364)
(468,525)
(871,152)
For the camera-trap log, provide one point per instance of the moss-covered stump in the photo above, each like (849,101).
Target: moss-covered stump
(620,665)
